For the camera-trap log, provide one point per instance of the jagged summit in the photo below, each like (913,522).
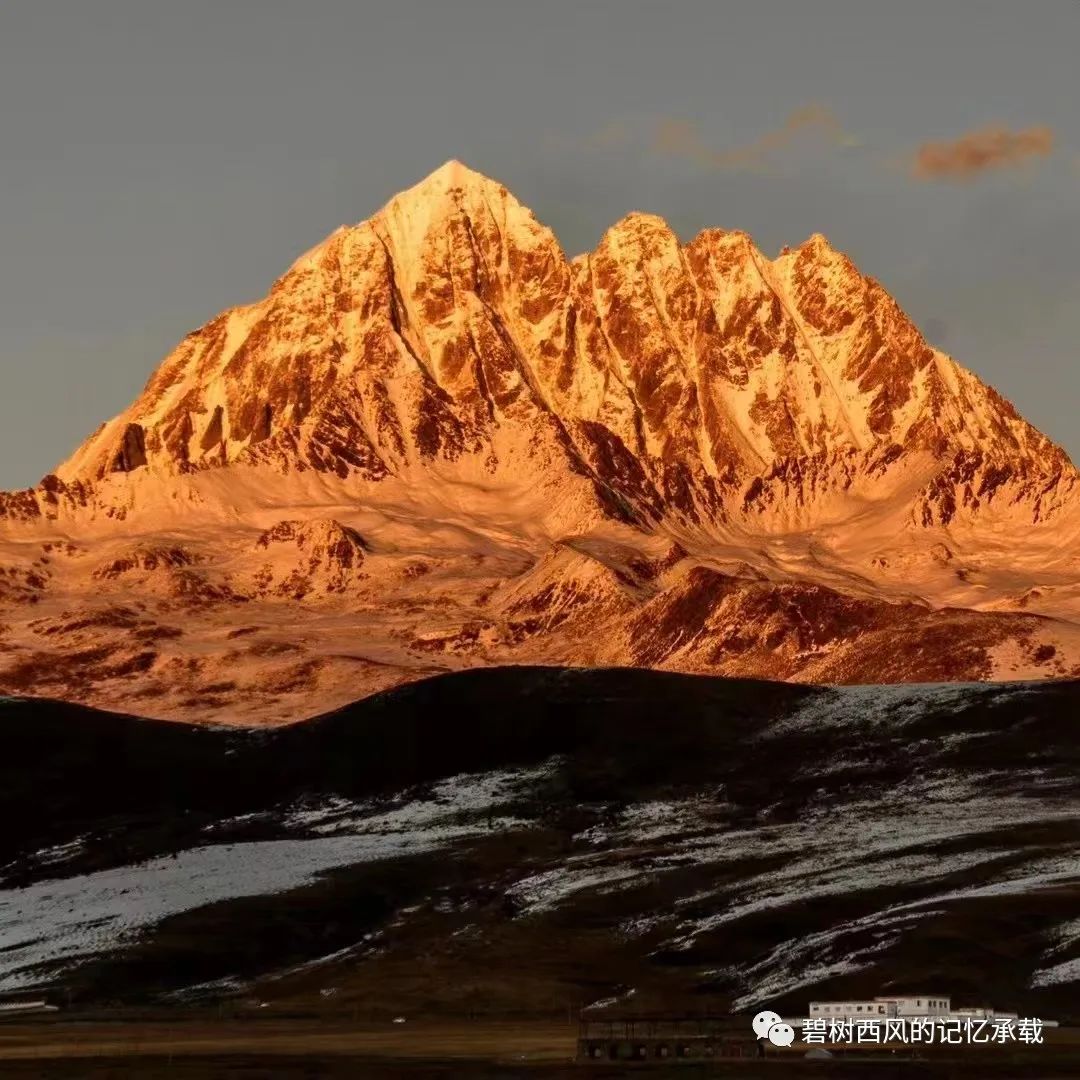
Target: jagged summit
(454,173)
(816,242)
(438,193)
(452,314)
(449,175)
(452,186)
(452,319)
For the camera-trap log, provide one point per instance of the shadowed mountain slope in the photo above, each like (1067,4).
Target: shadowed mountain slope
(694,840)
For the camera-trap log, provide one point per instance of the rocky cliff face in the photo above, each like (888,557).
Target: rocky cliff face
(531,446)
(688,379)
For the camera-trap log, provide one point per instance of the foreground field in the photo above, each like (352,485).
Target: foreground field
(307,1068)
(522,1042)
(187,1049)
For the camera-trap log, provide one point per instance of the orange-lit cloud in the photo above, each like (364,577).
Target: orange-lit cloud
(683,139)
(979,151)
(616,133)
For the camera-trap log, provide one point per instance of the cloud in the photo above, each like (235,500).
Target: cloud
(617,133)
(977,152)
(612,136)
(681,138)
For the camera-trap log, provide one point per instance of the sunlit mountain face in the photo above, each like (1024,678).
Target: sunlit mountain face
(437,443)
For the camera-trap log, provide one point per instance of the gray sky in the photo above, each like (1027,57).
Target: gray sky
(160,161)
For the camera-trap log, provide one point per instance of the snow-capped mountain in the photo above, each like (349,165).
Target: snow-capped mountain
(447,444)
(694,382)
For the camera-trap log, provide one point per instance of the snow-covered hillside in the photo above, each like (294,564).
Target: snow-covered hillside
(746,843)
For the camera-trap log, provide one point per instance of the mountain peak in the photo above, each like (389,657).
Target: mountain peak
(439,206)
(451,176)
(451,321)
(818,244)
(455,173)
(639,232)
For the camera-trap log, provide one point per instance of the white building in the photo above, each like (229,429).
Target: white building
(882,1008)
(16,1008)
(851,1010)
(981,1013)
(919,1005)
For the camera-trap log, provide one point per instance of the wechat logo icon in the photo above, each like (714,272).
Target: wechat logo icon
(768,1025)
